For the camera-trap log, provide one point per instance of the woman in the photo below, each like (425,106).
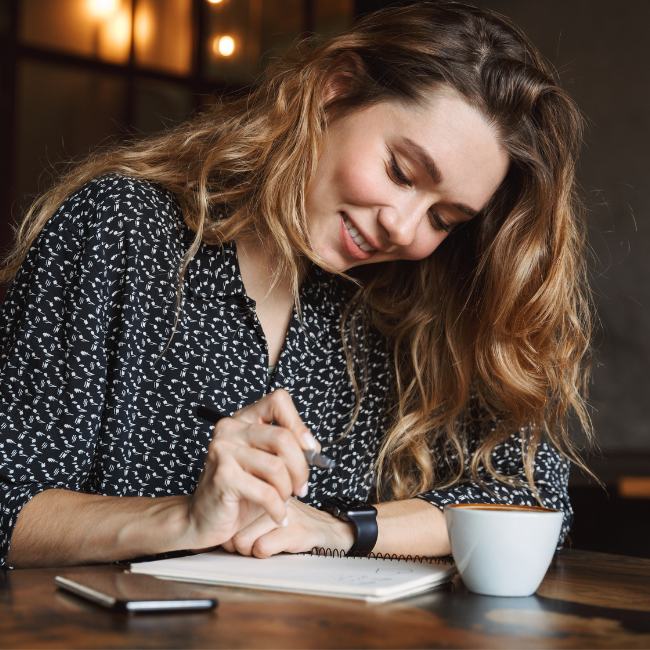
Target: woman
(377,253)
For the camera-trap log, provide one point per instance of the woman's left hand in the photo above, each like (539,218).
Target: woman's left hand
(308,527)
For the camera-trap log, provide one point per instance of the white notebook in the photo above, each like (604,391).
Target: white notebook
(372,579)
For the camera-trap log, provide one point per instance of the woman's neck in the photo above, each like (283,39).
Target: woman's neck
(256,265)
(273,306)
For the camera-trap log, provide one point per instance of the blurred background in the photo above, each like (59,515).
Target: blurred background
(75,74)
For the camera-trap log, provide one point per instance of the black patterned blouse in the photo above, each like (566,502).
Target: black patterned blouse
(93,400)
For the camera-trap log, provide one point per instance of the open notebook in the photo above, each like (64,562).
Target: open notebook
(372,579)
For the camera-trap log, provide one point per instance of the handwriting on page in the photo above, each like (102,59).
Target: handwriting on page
(377,577)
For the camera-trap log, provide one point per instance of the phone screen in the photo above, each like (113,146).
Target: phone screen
(132,592)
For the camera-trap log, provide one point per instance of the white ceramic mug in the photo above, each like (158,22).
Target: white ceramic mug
(502,550)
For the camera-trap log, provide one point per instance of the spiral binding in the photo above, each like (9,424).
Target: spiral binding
(421,559)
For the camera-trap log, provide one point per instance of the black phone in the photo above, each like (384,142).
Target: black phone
(132,592)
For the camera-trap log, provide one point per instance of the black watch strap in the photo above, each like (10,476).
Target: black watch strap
(363,518)
(365,532)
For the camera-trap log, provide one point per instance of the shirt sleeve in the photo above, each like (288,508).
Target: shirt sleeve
(53,358)
(551,477)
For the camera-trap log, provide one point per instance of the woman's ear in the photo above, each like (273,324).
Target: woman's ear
(343,78)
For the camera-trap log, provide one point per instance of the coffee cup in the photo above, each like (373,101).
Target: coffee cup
(502,550)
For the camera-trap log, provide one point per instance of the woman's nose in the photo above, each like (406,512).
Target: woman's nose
(400,223)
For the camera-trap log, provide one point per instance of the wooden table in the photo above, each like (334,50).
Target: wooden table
(587,600)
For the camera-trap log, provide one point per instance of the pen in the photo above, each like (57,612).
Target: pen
(210,414)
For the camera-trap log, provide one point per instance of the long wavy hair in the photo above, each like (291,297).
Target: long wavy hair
(494,327)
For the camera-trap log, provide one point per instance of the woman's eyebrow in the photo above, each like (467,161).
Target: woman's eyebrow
(426,161)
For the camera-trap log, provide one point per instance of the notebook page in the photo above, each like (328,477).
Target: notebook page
(353,577)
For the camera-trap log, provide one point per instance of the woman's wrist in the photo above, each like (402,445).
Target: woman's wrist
(411,527)
(342,534)
(162,528)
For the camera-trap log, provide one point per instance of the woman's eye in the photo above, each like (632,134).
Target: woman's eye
(397,174)
(438,223)
(400,178)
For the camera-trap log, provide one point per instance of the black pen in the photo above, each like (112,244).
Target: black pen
(211,415)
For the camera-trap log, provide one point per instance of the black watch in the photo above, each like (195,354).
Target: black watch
(362,516)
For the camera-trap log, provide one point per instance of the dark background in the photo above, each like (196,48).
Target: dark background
(58,102)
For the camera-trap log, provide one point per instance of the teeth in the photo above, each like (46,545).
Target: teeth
(357,237)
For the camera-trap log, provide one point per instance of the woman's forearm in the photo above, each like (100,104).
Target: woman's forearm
(60,527)
(411,527)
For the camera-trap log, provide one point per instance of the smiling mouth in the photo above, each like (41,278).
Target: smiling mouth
(356,236)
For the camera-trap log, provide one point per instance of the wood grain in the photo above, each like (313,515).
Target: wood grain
(588,600)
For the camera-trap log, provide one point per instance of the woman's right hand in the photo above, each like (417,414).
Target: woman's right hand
(255,463)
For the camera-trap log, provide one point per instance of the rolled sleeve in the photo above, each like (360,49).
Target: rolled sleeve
(551,477)
(53,363)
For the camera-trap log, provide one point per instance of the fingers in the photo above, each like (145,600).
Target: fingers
(242,542)
(269,468)
(281,444)
(277,540)
(283,455)
(255,460)
(262,537)
(228,546)
(273,424)
(278,408)
(244,485)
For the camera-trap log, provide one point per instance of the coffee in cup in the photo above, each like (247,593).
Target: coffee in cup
(502,550)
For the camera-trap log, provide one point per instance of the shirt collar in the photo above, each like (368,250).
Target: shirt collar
(214,273)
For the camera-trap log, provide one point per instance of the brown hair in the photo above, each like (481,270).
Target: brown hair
(495,325)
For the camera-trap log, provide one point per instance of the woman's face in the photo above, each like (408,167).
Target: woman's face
(394,180)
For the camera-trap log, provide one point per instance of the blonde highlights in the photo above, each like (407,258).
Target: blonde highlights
(491,333)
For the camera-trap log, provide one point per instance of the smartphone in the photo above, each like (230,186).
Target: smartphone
(132,592)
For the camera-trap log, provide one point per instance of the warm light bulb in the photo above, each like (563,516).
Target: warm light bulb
(215,2)
(143,26)
(102,8)
(223,45)
(118,32)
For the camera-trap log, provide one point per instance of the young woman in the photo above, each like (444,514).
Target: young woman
(377,253)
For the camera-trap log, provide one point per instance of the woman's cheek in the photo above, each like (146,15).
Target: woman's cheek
(423,246)
(358,185)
